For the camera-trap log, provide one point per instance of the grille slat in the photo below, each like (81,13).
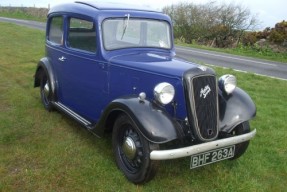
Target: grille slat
(203,101)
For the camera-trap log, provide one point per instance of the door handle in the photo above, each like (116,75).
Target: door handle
(62,58)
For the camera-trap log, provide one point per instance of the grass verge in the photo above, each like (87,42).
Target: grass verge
(42,151)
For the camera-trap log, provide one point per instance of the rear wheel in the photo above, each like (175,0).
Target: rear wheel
(46,91)
(241,147)
(132,151)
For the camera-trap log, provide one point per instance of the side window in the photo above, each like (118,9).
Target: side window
(56,30)
(82,35)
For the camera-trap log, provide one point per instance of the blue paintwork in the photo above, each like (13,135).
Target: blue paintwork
(89,87)
(90,83)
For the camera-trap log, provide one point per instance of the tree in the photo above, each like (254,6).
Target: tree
(222,23)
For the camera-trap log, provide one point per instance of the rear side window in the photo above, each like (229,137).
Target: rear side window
(82,35)
(56,30)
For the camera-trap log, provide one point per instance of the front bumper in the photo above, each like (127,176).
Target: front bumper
(200,148)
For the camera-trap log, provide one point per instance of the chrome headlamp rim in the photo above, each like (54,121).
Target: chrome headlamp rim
(227,83)
(164,93)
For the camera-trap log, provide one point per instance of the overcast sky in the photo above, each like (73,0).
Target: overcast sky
(269,12)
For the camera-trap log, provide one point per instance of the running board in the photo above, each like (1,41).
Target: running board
(73,114)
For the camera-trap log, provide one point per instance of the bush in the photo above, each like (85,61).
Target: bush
(276,37)
(279,33)
(249,38)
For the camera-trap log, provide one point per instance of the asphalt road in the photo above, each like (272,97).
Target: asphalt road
(26,23)
(238,63)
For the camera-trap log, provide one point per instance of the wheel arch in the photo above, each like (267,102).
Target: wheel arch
(235,109)
(156,125)
(44,66)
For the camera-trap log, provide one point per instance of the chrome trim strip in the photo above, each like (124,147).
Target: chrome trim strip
(72,113)
(200,148)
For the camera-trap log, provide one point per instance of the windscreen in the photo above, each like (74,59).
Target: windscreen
(129,32)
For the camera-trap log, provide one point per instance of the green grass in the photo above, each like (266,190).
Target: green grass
(26,13)
(46,151)
(264,53)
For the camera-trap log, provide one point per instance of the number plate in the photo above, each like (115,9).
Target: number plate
(205,158)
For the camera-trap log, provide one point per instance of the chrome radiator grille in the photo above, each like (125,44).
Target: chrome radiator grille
(203,103)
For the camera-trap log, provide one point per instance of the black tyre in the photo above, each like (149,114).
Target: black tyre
(132,151)
(241,147)
(45,91)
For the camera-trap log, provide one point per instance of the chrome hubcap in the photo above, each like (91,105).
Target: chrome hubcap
(46,90)
(129,148)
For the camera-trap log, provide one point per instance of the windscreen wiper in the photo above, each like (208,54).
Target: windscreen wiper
(126,25)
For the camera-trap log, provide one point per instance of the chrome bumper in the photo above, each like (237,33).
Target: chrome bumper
(200,148)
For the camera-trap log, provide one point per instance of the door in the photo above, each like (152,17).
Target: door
(83,82)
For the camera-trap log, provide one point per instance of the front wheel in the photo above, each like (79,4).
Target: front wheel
(132,151)
(241,147)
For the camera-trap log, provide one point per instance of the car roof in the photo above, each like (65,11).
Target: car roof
(87,6)
(116,6)
(104,10)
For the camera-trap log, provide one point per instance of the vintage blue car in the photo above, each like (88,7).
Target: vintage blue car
(112,68)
